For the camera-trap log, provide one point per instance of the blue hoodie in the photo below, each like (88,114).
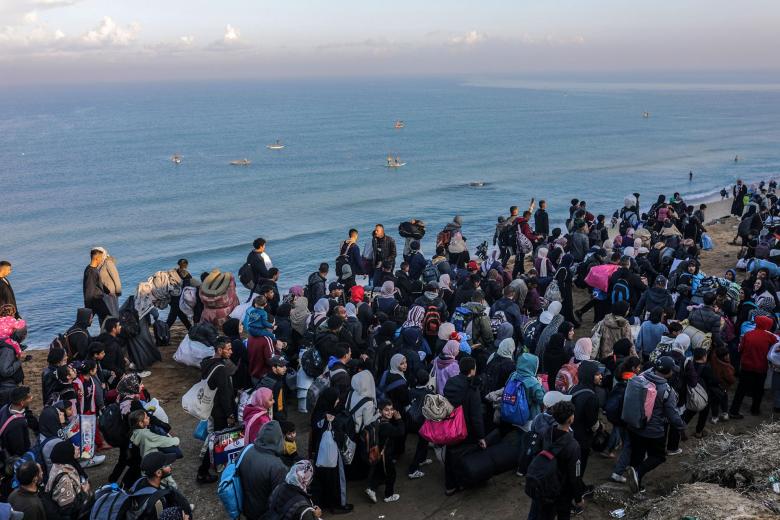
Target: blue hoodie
(525,370)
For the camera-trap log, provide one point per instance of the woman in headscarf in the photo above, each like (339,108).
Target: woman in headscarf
(445,365)
(565,280)
(258,411)
(505,330)
(554,320)
(331,483)
(299,317)
(555,356)
(386,301)
(493,286)
(500,366)
(414,321)
(446,292)
(50,429)
(240,356)
(65,481)
(411,346)
(354,326)
(362,400)
(525,371)
(291,500)
(543,264)
(567,331)
(393,386)
(283,330)
(320,314)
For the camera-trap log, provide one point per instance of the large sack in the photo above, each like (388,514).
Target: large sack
(699,338)
(191,353)
(598,276)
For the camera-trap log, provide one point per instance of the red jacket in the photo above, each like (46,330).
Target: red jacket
(261,349)
(755,346)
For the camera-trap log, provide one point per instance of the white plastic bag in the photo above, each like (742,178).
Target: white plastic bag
(154,406)
(239,312)
(328,454)
(199,400)
(191,353)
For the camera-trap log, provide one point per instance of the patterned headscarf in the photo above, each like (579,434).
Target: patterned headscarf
(300,475)
(415,317)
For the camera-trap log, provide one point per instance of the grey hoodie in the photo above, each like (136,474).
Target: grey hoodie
(262,470)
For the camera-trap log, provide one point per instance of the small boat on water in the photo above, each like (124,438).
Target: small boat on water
(394,162)
(275,146)
(645,114)
(476,184)
(241,162)
(399,124)
(176,159)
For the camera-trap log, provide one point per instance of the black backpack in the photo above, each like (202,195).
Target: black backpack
(531,445)
(112,425)
(246,276)
(342,259)
(162,333)
(542,480)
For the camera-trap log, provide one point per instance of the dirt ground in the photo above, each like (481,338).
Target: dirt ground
(501,498)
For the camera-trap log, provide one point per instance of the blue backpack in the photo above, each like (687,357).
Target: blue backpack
(620,292)
(430,273)
(461,318)
(229,488)
(514,403)
(383,388)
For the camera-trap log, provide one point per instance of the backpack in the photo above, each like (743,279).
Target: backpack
(162,333)
(229,488)
(553,291)
(369,440)
(61,342)
(762,249)
(542,481)
(498,319)
(524,245)
(508,235)
(431,320)
(342,259)
(112,425)
(697,397)
(531,333)
(514,403)
(620,292)
(430,273)
(50,506)
(383,388)
(567,377)
(246,276)
(462,318)
(531,445)
(318,386)
(312,363)
(638,402)
(111,503)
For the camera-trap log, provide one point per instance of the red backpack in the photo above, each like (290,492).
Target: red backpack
(567,377)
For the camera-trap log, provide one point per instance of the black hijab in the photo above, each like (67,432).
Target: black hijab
(65,453)
(49,421)
(326,404)
(230,328)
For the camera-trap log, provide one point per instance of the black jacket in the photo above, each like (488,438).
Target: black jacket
(541,222)
(424,302)
(636,287)
(115,356)
(567,454)
(651,299)
(316,289)
(7,295)
(78,335)
(384,249)
(259,270)
(93,287)
(586,404)
(221,381)
(16,437)
(464,294)
(463,391)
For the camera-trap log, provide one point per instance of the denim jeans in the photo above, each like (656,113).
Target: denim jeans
(624,459)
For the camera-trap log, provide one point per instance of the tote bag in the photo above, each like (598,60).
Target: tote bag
(451,430)
(199,400)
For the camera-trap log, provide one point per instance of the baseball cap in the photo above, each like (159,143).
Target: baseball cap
(666,365)
(335,286)
(278,361)
(472,266)
(156,460)
(554,397)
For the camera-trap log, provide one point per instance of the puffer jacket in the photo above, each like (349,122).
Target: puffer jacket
(706,319)
(613,329)
(463,391)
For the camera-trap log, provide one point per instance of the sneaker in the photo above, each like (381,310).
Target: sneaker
(393,498)
(618,478)
(143,374)
(371,495)
(426,462)
(724,416)
(417,474)
(736,416)
(577,510)
(97,460)
(633,480)
(672,453)
(714,420)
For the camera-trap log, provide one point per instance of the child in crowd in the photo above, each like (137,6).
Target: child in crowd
(256,319)
(390,428)
(290,451)
(146,441)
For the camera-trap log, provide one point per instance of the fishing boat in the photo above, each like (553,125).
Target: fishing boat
(399,124)
(241,162)
(476,184)
(645,114)
(275,146)
(394,162)
(176,159)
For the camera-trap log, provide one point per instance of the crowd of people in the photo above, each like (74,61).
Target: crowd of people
(467,356)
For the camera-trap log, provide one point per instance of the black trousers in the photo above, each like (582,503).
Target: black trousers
(383,472)
(750,384)
(176,312)
(646,453)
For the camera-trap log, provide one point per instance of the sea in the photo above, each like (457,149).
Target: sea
(83,166)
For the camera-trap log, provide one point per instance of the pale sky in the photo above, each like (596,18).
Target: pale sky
(86,40)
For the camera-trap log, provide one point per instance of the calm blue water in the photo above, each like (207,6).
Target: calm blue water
(83,166)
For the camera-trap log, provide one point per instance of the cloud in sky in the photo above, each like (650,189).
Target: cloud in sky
(472,37)
(108,33)
(231,34)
